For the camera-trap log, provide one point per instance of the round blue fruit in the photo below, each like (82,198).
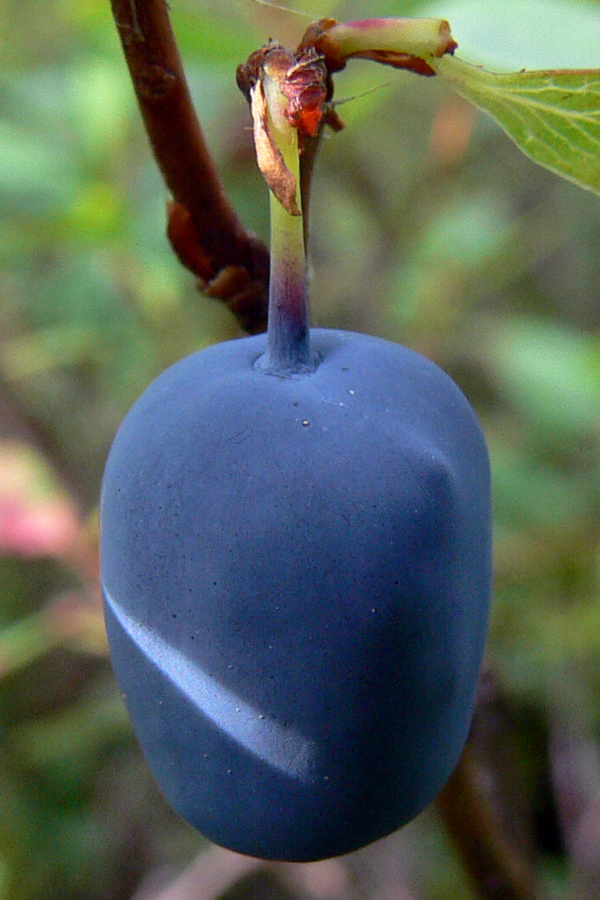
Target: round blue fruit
(297,575)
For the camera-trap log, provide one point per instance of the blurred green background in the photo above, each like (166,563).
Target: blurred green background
(429,228)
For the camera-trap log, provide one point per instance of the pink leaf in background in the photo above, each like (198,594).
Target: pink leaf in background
(36,519)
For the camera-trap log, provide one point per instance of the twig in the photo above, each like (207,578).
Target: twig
(575,764)
(483,807)
(206,233)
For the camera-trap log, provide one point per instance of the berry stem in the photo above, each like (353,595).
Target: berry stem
(288,331)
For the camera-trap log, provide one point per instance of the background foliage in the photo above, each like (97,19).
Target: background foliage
(429,228)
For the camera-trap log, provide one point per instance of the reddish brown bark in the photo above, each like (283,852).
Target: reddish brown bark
(214,240)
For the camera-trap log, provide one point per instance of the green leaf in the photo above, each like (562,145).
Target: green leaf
(549,370)
(553,115)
